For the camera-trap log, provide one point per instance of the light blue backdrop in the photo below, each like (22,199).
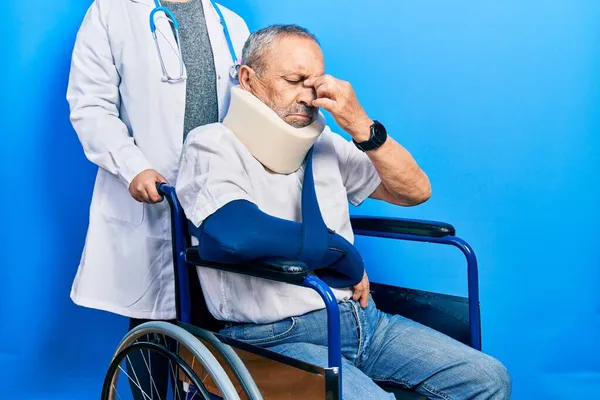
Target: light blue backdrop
(499,101)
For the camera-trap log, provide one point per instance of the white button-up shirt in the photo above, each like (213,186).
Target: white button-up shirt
(216,168)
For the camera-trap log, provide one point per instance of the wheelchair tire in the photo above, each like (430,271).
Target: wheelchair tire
(235,363)
(183,338)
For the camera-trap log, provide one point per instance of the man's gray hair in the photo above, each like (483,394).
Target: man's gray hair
(257,45)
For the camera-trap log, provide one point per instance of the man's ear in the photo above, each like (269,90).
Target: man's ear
(245,77)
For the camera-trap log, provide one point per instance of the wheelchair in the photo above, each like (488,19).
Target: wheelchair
(207,365)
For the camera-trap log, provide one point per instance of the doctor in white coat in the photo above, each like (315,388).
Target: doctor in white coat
(130,122)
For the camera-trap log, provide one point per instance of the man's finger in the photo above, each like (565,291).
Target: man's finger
(318,81)
(145,196)
(315,81)
(325,81)
(137,197)
(328,91)
(324,103)
(153,194)
(161,179)
(364,299)
(136,193)
(310,82)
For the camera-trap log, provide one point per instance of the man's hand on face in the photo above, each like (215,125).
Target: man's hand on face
(361,291)
(338,97)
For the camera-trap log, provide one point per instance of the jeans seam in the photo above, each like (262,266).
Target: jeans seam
(406,384)
(434,391)
(360,332)
(271,338)
(400,382)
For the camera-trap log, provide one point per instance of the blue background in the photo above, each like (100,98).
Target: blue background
(499,101)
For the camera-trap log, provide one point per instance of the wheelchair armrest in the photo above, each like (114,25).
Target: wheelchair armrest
(433,232)
(274,269)
(295,273)
(401,225)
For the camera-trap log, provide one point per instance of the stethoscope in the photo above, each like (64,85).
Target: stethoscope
(233,71)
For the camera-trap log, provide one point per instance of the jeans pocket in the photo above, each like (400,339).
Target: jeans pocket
(267,334)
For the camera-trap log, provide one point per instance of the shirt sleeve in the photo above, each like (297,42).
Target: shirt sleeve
(94,99)
(211,174)
(358,173)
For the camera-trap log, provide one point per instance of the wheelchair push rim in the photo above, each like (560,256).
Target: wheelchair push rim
(192,388)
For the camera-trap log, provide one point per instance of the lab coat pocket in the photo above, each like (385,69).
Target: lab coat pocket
(116,201)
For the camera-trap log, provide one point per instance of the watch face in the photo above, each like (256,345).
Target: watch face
(379,132)
(378,128)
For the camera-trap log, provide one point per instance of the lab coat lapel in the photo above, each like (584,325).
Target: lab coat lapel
(165,37)
(220,50)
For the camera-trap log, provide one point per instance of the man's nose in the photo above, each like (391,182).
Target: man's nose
(307,95)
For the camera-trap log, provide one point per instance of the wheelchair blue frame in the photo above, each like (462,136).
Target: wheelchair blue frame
(393,228)
(472,269)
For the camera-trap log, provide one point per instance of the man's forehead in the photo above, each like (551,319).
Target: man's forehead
(306,68)
(301,69)
(296,56)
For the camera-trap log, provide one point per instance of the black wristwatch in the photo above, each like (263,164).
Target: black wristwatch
(378,137)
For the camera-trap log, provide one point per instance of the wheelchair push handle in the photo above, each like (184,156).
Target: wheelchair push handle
(164,189)
(167,191)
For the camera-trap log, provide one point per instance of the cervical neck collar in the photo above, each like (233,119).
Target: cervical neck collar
(275,144)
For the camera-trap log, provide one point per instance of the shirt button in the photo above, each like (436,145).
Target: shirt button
(219,77)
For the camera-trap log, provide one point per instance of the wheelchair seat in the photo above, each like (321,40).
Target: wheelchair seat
(390,299)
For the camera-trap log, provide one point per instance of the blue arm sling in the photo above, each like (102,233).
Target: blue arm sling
(240,232)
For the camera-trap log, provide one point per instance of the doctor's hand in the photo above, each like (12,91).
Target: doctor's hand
(362,291)
(338,97)
(143,186)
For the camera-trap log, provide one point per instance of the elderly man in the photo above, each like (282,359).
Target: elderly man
(220,177)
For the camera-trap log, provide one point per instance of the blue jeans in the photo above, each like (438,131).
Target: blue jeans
(384,348)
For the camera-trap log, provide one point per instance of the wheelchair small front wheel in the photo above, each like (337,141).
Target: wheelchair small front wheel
(149,357)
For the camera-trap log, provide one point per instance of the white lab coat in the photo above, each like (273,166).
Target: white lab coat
(128,120)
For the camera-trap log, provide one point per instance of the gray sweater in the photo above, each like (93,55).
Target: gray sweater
(201,106)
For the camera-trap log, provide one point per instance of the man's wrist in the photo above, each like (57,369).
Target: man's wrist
(362,130)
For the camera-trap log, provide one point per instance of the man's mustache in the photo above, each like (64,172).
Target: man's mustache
(302,109)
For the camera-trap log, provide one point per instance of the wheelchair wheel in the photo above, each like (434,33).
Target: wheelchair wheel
(152,342)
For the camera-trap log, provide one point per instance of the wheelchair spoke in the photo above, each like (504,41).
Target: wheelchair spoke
(175,380)
(149,368)
(206,375)
(117,392)
(136,382)
(174,372)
